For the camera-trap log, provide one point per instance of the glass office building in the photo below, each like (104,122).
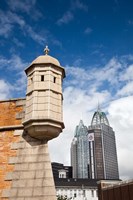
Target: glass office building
(79,152)
(102,148)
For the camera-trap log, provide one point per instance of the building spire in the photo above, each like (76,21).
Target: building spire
(46,50)
(98,107)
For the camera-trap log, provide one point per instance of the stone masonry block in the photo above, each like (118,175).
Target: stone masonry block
(13,192)
(26,192)
(38,166)
(19,183)
(12,176)
(43,174)
(33,151)
(27,175)
(42,191)
(17,145)
(35,183)
(29,159)
(40,174)
(48,182)
(6,193)
(18,132)
(9,193)
(20,115)
(13,160)
(21,167)
(20,102)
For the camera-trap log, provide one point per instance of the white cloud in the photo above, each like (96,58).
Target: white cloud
(126,90)
(77,4)
(7,22)
(88,30)
(128,74)
(18,42)
(5,89)
(13,63)
(66,18)
(96,77)
(41,39)
(120,117)
(20,83)
(25,6)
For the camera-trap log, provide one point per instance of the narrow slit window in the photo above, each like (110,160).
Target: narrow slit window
(31,80)
(54,79)
(42,77)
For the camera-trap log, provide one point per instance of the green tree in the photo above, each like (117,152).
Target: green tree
(60,197)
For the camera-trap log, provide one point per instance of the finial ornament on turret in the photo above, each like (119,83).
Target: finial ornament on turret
(46,50)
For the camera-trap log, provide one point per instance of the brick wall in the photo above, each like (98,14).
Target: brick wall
(10,115)
(11,112)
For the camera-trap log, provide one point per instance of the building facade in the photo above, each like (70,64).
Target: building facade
(77,189)
(61,171)
(102,148)
(79,152)
(73,188)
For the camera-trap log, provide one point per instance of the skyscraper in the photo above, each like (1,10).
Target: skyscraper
(102,148)
(79,152)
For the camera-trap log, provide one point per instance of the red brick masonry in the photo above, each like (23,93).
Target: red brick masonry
(8,117)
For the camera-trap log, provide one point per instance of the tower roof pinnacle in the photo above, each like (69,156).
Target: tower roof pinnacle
(46,50)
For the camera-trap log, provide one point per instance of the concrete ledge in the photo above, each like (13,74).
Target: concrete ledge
(13,127)
(15,99)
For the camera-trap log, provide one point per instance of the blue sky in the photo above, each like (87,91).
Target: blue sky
(93,40)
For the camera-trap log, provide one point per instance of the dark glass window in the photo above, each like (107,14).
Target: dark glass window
(54,80)
(42,77)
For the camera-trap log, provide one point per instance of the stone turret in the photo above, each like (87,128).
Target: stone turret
(43,117)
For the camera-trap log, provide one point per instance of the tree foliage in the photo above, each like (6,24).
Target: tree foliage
(61,197)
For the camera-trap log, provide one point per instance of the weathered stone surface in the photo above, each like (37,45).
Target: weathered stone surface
(20,167)
(20,102)
(18,132)
(19,183)
(25,168)
(26,192)
(17,145)
(41,165)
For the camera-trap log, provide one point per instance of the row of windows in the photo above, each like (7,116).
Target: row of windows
(75,193)
(43,79)
(54,78)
